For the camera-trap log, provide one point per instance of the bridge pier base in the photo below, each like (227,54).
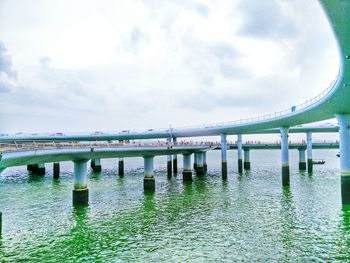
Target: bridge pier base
(97,165)
(302,162)
(187,172)
(149,184)
(344,146)
(223,156)
(56,170)
(121,167)
(246,164)
(80,191)
(200,164)
(309,152)
(285,156)
(239,153)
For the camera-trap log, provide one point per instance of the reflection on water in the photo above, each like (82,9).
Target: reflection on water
(248,217)
(287,212)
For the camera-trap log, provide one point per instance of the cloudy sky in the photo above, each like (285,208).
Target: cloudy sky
(110,65)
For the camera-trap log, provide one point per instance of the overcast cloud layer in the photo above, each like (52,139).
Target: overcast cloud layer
(111,65)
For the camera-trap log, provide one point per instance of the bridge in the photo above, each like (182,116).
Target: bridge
(332,102)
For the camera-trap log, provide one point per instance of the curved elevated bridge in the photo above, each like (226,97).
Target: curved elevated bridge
(332,102)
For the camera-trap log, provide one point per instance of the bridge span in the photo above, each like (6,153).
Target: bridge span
(35,160)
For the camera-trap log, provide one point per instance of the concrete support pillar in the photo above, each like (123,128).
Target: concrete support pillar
(302,162)
(97,165)
(239,149)
(223,155)
(30,167)
(169,161)
(80,191)
(309,152)
(187,172)
(246,159)
(344,145)
(0,224)
(169,166)
(285,156)
(149,183)
(200,164)
(56,170)
(39,169)
(175,158)
(175,163)
(205,166)
(195,156)
(121,167)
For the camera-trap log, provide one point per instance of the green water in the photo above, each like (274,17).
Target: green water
(249,217)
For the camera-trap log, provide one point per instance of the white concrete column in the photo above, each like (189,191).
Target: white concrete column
(169,160)
(246,163)
(80,174)
(239,152)
(195,157)
(223,155)
(302,162)
(149,180)
(80,191)
(309,151)
(187,172)
(149,167)
(175,157)
(200,164)
(344,145)
(285,156)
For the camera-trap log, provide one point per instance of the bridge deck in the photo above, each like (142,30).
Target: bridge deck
(276,146)
(18,158)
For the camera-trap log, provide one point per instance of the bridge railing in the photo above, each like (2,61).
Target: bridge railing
(306,104)
(47,145)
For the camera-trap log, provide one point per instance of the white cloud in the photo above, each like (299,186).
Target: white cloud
(105,65)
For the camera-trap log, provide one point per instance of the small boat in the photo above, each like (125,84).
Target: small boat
(318,161)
